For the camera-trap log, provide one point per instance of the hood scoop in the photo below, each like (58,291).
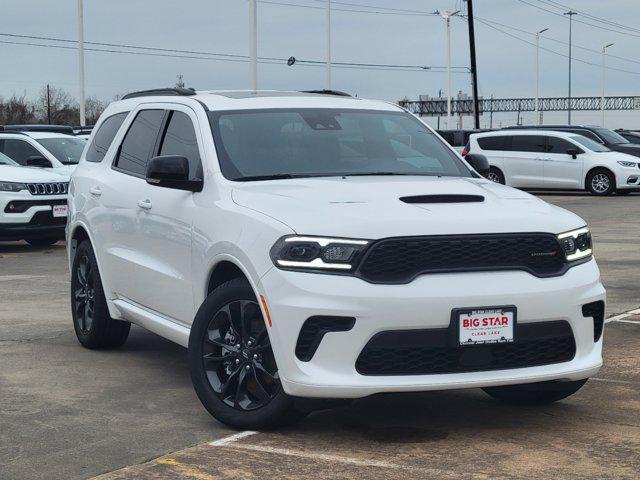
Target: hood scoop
(443,198)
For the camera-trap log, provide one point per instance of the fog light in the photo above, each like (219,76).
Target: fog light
(632,180)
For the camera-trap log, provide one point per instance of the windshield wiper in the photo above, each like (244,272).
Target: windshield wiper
(363,174)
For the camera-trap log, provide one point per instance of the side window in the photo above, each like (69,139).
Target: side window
(559,145)
(104,136)
(180,139)
(528,143)
(139,142)
(18,150)
(492,143)
(591,135)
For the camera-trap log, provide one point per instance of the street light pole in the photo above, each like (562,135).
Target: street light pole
(253,45)
(537,108)
(447,17)
(571,13)
(604,48)
(328,78)
(81,61)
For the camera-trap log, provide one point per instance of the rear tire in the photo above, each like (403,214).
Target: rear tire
(496,176)
(601,182)
(231,362)
(540,393)
(94,326)
(42,242)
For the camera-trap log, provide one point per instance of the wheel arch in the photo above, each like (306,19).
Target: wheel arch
(595,169)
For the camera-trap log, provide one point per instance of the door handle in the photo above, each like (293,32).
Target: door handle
(144,204)
(95,191)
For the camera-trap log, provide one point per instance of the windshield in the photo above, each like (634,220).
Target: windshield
(4,160)
(286,143)
(66,149)
(610,137)
(590,144)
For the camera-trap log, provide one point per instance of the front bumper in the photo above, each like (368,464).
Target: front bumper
(426,302)
(36,221)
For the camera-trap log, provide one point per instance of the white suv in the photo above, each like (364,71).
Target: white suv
(322,246)
(33,203)
(56,151)
(556,160)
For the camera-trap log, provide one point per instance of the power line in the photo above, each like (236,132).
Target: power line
(376,10)
(203,55)
(588,15)
(548,49)
(579,21)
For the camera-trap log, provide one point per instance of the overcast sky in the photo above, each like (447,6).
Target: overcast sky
(505,64)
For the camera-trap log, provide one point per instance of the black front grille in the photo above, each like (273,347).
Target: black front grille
(21,206)
(46,219)
(400,260)
(48,188)
(433,351)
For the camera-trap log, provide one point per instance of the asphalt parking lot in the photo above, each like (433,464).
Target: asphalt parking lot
(66,412)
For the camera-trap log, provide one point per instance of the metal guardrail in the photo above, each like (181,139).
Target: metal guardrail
(436,107)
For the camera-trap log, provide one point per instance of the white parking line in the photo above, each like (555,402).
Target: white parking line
(622,316)
(231,438)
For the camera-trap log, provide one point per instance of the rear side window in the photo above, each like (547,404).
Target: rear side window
(180,139)
(492,143)
(139,142)
(18,150)
(588,134)
(104,136)
(528,143)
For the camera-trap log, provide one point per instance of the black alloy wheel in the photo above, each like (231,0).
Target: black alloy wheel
(237,357)
(84,295)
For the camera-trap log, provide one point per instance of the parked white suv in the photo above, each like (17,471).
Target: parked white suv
(56,151)
(33,203)
(322,246)
(556,160)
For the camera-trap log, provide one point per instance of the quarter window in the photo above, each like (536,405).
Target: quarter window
(492,143)
(18,150)
(180,139)
(104,136)
(139,142)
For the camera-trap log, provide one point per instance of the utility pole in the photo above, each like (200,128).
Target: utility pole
(81,60)
(491,114)
(48,105)
(604,48)
(253,43)
(537,107)
(439,96)
(474,69)
(328,78)
(447,18)
(571,13)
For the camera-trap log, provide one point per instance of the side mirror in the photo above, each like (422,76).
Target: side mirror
(172,171)
(38,161)
(573,152)
(479,163)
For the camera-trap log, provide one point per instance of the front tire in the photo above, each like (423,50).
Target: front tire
(232,366)
(540,393)
(601,182)
(94,326)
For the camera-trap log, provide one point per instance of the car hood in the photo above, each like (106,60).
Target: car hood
(9,173)
(370,207)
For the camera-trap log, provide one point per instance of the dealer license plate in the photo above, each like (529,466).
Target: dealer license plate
(486,325)
(60,211)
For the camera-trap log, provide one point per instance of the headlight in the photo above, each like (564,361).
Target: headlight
(317,253)
(576,244)
(624,163)
(12,187)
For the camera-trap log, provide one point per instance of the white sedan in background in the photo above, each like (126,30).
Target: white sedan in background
(555,160)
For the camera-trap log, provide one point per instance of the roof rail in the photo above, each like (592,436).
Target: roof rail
(337,93)
(161,91)
(38,128)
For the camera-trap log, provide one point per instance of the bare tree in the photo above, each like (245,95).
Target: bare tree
(64,108)
(93,109)
(16,110)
